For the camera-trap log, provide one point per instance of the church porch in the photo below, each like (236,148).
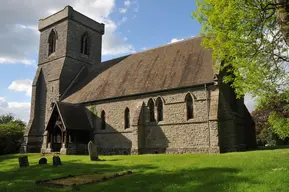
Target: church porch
(63,135)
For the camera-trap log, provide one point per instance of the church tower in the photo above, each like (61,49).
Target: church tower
(69,43)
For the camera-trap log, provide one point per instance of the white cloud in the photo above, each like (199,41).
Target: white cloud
(175,40)
(22,86)
(19,36)
(122,10)
(3,102)
(20,110)
(7,60)
(127,3)
(123,20)
(18,105)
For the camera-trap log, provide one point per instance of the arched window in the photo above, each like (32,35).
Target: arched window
(190,107)
(126,118)
(103,123)
(151,106)
(51,42)
(159,104)
(84,44)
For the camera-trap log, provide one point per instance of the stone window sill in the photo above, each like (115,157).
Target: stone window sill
(84,56)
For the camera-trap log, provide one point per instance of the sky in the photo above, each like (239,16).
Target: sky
(130,26)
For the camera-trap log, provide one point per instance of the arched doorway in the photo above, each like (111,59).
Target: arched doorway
(56,136)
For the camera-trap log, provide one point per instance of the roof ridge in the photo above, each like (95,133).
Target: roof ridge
(166,45)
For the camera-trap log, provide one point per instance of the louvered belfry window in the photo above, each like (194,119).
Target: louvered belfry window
(84,44)
(51,42)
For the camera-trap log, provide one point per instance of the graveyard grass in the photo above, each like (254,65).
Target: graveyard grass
(266,170)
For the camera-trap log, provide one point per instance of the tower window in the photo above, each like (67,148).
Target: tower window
(84,44)
(126,118)
(103,123)
(189,107)
(51,42)
(159,104)
(151,106)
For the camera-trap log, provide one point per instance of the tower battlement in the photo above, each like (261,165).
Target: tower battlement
(69,13)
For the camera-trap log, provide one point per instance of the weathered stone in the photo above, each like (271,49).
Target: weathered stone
(42,161)
(92,150)
(221,123)
(23,161)
(56,161)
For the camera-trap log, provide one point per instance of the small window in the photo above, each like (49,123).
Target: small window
(51,42)
(103,123)
(189,106)
(159,104)
(151,106)
(126,118)
(84,44)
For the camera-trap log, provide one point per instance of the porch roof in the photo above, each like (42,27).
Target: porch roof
(73,116)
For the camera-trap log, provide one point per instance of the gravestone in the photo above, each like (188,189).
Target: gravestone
(42,161)
(92,150)
(56,161)
(23,161)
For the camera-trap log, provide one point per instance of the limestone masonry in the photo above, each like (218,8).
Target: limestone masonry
(163,100)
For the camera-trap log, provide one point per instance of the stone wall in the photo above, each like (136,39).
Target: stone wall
(175,134)
(57,71)
(235,126)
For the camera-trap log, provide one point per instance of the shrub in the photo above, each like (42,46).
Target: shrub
(11,135)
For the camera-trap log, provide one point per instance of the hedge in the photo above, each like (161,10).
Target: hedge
(11,135)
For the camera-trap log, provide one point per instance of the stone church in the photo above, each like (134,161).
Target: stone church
(163,100)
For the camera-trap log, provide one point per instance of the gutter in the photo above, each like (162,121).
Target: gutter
(145,93)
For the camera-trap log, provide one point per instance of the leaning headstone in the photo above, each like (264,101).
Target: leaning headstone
(92,150)
(23,161)
(56,161)
(42,161)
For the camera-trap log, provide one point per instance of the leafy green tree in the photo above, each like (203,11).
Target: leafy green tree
(11,134)
(8,118)
(265,129)
(250,36)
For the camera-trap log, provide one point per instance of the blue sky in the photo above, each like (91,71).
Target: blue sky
(131,26)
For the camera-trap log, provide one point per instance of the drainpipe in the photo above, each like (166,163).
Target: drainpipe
(208,115)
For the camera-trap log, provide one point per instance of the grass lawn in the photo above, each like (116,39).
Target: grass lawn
(247,171)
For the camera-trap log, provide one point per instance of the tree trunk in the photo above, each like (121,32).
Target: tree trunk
(283,18)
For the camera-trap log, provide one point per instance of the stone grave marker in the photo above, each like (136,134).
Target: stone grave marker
(56,161)
(23,161)
(42,161)
(92,150)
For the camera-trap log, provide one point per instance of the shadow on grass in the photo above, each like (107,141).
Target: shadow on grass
(9,156)
(145,177)
(203,179)
(23,179)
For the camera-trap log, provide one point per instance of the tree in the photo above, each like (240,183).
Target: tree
(8,118)
(11,133)
(252,37)
(265,129)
